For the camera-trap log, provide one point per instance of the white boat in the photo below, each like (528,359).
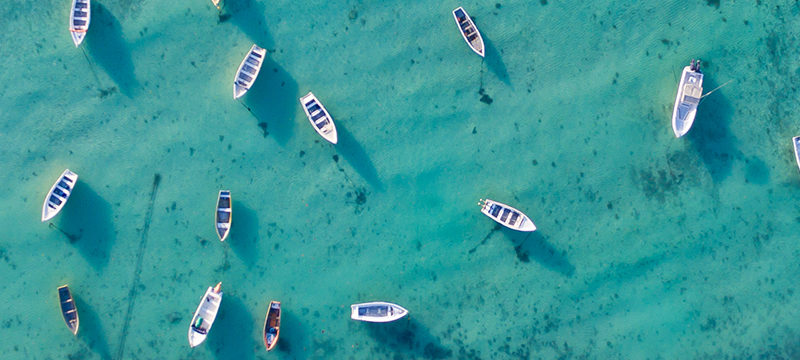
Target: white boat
(204,316)
(319,118)
(796,143)
(690,90)
(216,3)
(506,215)
(377,311)
(79,16)
(469,31)
(58,194)
(224,212)
(248,71)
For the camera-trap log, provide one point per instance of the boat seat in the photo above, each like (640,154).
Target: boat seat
(494,210)
(503,217)
(318,115)
(245,77)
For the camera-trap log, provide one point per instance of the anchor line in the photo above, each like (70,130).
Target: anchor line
(137,274)
(91,67)
(716,88)
(72,238)
(249,110)
(341,170)
(485,238)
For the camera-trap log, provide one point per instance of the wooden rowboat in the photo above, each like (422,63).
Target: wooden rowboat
(272,324)
(224,212)
(68,309)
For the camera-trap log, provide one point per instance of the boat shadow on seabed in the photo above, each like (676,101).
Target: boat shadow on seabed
(710,135)
(271,100)
(91,330)
(244,233)
(86,222)
(406,335)
(108,48)
(225,337)
(535,245)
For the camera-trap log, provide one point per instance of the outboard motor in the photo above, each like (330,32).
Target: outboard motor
(695,65)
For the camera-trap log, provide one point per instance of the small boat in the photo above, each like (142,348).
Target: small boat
(377,311)
(58,195)
(79,17)
(319,118)
(223,214)
(690,90)
(469,31)
(216,3)
(796,143)
(506,215)
(272,324)
(68,309)
(204,316)
(248,71)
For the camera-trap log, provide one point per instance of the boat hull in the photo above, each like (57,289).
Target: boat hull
(68,309)
(377,311)
(223,215)
(320,118)
(796,145)
(248,71)
(469,31)
(690,90)
(272,325)
(205,315)
(507,216)
(59,194)
(79,18)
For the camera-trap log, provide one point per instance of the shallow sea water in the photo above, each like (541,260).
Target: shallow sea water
(649,247)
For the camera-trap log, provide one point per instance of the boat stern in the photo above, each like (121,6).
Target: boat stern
(238,91)
(195,338)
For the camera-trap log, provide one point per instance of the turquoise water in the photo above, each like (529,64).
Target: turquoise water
(649,247)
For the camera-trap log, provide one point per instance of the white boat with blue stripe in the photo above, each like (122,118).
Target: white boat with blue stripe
(377,311)
(469,31)
(79,17)
(248,71)
(58,194)
(319,118)
(506,215)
